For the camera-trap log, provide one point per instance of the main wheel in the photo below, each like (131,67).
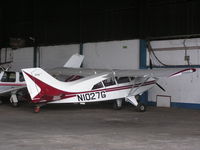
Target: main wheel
(15,104)
(117,104)
(141,107)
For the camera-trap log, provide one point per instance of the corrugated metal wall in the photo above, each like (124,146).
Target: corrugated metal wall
(63,22)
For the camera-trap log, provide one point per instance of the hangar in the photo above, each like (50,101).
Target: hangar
(140,34)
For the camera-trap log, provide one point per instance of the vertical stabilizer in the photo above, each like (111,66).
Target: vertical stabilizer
(75,61)
(41,85)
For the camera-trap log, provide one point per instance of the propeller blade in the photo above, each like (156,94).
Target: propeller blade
(160,87)
(150,64)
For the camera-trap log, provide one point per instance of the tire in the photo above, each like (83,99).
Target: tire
(116,106)
(15,104)
(141,107)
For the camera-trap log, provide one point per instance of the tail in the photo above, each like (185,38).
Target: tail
(43,87)
(75,61)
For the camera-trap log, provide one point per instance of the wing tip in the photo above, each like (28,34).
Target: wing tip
(183,71)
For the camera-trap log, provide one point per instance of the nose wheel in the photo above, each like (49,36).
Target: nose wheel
(141,107)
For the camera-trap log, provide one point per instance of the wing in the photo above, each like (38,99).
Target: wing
(156,73)
(76,71)
(75,61)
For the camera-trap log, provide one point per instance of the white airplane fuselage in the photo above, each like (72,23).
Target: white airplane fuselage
(44,88)
(10,80)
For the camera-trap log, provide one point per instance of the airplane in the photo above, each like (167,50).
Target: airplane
(94,85)
(12,83)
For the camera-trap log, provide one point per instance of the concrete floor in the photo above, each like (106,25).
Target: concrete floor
(66,127)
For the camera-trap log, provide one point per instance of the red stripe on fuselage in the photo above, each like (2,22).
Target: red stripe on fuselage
(130,86)
(12,84)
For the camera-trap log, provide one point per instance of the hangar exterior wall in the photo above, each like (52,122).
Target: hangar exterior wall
(184,90)
(56,56)
(48,57)
(112,55)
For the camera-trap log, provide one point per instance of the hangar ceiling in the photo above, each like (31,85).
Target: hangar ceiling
(75,21)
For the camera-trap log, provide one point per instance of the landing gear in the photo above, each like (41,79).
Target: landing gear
(37,107)
(141,107)
(117,105)
(15,104)
(13,99)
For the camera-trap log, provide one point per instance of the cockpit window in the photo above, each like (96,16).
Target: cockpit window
(9,77)
(21,77)
(97,86)
(122,80)
(109,82)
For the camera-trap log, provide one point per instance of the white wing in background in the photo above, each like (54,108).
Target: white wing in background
(75,61)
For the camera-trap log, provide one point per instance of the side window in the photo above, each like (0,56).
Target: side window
(109,82)
(9,77)
(21,77)
(122,80)
(97,86)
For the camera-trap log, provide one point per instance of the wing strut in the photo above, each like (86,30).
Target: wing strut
(131,97)
(134,90)
(132,100)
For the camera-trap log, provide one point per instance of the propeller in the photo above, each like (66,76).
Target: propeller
(160,87)
(150,64)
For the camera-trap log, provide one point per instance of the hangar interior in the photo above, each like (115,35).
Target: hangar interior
(106,34)
(106,55)
(139,34)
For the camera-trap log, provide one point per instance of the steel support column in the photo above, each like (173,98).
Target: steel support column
(143,65)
